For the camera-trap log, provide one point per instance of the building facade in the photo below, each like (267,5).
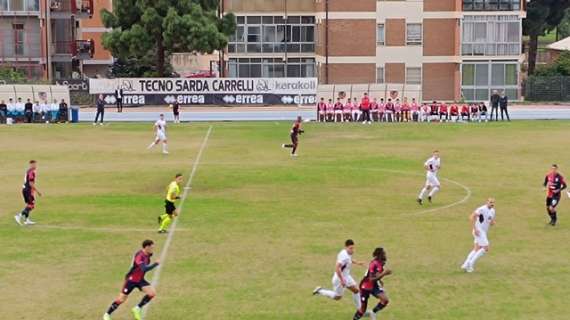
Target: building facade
(43,39)
(93,29)
(444,49)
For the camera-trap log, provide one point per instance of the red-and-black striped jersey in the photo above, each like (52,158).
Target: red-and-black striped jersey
(296,128)
(375,267)
(140,261)
(29,179)
(554,182)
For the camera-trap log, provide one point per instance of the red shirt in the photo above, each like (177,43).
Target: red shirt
(454,109)
(136,273)
(464,109)
(405,107)
(321,106)
(30,178)
(374,268)
(443,108)
(338,106)
(554,182)
(365,103)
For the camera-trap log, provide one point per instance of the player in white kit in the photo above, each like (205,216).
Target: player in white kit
(432,166)
(481,220)
(160,129)
(342,278)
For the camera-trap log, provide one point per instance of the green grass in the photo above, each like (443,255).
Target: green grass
(260,230)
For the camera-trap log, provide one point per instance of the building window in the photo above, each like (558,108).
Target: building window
(272,34)
(479,80)
(491,5)
(491,36)
(18,38)
(4,5)
(413,34)
(271,68)
(380,34)
(380,75)
(413,75)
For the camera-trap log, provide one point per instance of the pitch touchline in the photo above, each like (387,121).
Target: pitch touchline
(164,252)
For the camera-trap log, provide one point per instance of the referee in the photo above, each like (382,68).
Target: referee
(171,212)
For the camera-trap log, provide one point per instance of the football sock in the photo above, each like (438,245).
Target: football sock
(327,293)
(288,146)
(146,299)
(162,217)
(294,150)
(379,307)
(477,255)
(114,306)
(26,212)
(554,217)
(356,300)
(164,147)
(357,315)
(469,257)
(433,191)
(165,222)
(422,193)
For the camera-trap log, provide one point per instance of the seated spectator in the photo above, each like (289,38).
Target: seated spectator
(347,110)
(54,111)
(321,109)
(483,112)
(330,110)
(11,106)
(390,110)
(355,110)
(434,111)
(20,108)
(465,112)
(405,111)
(415,110)
(29,111)
(374,110)
(398,111)
(37,111)
(44,107)
(443,112)
(63,111)
(381,110)
(454,112)
(425,112)
(338,110)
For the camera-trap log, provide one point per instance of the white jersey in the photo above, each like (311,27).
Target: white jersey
(432,164)
(486,216)
(160,126)
(345,261)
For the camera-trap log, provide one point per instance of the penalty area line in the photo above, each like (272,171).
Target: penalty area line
(156,277)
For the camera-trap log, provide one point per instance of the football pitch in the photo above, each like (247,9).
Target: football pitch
(260,230)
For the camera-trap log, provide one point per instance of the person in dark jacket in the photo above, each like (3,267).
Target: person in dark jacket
(100,103)
(119,97)
(503,104)
(3,112)
(63,111)
(495,105)
(29,111)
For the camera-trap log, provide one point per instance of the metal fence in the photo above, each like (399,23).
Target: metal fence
(555,88)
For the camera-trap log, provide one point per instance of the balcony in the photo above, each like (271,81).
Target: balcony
(65,51)
(67,8)
(492,5)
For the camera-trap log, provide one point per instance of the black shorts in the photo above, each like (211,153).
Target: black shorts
(169,207)
(294,138)
(365,295)
(29,198)
(553,201)
(129,286)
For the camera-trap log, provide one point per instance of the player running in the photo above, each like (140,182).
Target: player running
(481,220)
(554,183)
(29,190)
(160,129)
(432,166)
(342,278)
(295,132)
(171,212)
(135,279)
(372,285)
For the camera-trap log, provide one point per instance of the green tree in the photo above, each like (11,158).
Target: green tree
(542,16)
(146,32)
(564,26)
(561,67)
(11,75)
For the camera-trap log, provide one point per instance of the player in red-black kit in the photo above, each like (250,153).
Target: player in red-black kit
(372,285)
(554,183)
(29,191)
(295,132)
(135,279)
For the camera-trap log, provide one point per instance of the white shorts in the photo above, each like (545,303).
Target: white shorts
(337,286)
(160,136)
(432,180)
(481,240)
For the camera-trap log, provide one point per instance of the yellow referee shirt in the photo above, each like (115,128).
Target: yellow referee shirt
(173,191)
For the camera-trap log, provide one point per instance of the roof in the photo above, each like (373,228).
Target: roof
(562,45)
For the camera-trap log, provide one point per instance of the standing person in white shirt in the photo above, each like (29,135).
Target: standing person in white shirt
(44,110)
(481,220)
(54,110)
(160,129)
(342,278)
(20,107)
(432,166)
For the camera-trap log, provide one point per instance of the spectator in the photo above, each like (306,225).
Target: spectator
(37,112)
(503,103)
(119,98)
(398,111)
(405,110)
(321,109)
(424,113)
(347,110)
(365,109)
(176,112)
(374,110)
(434,111)
(355,110)
(414,107)
(454,112)
(44,109)
(63,111)
(11,107)
(29,111)
(465,112)
(54,111)
(381,110)
(443,112)
(100,104)
(3,112)
(338,110)
(389,111)
(483,111)
(495,105)
(20,108)
(475,112)
(330,110)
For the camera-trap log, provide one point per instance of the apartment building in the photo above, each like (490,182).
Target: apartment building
(444,49)
(93,29)
(41,38)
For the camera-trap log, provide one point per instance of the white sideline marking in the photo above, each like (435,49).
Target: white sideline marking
(156,276)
